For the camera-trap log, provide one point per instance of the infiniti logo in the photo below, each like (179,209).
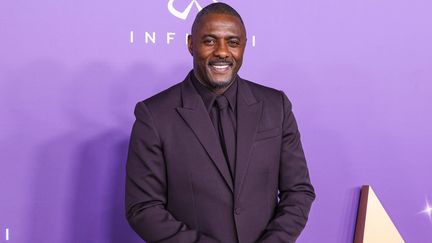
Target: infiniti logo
(184,14)
(168,36)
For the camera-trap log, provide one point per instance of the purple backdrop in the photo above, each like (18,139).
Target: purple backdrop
(359,74)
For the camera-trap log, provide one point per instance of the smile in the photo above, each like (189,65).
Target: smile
(220,67)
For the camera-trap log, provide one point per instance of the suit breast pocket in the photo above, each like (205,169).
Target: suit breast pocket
(267,134)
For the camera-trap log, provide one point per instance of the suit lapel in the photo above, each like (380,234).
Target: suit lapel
(196,116)
(248,114)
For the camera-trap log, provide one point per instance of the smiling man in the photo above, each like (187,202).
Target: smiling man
(217,44)
(216,158)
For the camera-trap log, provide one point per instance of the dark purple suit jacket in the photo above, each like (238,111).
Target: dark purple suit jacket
(178,185)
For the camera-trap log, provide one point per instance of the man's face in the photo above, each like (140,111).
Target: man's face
(217,45)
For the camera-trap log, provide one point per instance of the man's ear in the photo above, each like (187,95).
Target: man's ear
(189,41)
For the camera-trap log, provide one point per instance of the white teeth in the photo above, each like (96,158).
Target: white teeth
(221,67)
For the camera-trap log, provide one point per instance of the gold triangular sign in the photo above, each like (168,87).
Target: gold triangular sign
(373,223)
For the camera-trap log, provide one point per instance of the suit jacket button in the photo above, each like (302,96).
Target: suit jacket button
(237,211)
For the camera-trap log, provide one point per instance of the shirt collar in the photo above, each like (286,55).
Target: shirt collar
(209,97)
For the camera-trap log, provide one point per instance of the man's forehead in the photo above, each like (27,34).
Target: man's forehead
(220,21)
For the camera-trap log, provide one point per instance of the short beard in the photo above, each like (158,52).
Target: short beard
(219,85)
(212,84)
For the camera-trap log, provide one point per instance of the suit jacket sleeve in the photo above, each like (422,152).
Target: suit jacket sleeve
(296,193)
(146,187)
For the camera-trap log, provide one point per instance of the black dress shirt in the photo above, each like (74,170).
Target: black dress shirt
(209,99)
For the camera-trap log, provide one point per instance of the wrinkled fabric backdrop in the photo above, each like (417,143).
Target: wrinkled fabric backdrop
(359,74)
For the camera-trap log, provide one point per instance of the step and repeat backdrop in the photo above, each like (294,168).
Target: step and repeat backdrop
(359,75)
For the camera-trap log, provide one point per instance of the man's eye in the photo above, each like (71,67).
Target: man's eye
(234,42)
(209,42)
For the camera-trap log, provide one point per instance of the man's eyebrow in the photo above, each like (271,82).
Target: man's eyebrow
(209,35)
(227,38)
(233,37)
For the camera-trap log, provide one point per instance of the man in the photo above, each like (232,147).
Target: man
(209,155)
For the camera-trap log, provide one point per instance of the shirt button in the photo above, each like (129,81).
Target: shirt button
(237,211)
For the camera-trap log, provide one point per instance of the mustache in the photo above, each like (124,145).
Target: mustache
(220,62)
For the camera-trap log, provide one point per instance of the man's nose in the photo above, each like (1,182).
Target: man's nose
(221,50)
